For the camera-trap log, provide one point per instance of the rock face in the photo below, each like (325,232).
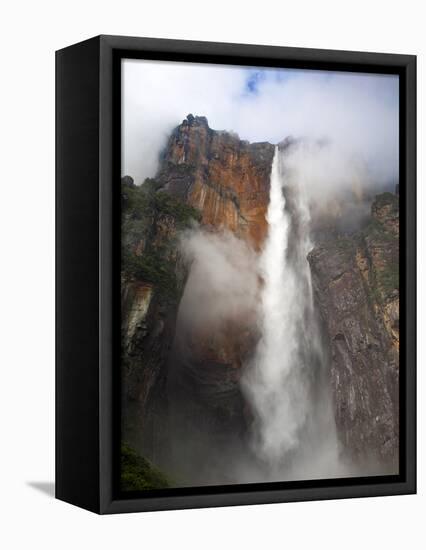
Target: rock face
(356,285)
(225,178)
(152,282)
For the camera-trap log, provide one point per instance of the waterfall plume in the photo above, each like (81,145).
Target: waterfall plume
(289,365)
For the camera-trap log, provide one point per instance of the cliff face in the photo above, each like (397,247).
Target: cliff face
(225,178)
(356,286)
(152,282)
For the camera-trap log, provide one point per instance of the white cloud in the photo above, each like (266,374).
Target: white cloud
(158,96)
(357,112)
(223,277)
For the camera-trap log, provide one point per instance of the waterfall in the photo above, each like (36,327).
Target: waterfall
(293,418)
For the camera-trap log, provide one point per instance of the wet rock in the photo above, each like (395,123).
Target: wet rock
(356,287)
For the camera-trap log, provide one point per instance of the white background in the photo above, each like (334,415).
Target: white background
(30,33)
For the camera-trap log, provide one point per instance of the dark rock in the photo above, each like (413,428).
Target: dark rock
(357,293)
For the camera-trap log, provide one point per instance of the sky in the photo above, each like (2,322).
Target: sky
(356,113)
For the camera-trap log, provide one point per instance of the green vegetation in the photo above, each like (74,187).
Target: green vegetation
(183,213)
(151,268)
(385,199)
(388,278)
(138,474)
(151,222)
(181,170)
(373,293)
(150,186)
(384,282)
(377,230)
(379,234)
(147,200)
(346,245)
(385,210)
(134,201)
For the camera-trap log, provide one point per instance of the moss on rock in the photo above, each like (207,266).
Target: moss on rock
(138,474)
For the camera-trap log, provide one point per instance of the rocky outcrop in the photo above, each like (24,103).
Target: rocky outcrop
(225,178)
(356,287)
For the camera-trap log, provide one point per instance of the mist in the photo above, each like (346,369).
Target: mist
(337,186)
(223,277)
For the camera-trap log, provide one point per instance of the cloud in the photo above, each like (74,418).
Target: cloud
(223,278)
(357,113)
(158,95)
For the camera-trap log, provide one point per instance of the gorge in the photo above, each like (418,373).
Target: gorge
(260,330)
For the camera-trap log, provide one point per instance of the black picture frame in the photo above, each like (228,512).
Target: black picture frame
(87,254)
